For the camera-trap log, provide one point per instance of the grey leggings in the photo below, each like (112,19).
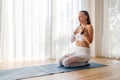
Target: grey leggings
(79,58)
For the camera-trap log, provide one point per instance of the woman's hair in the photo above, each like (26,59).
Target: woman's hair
(88,17)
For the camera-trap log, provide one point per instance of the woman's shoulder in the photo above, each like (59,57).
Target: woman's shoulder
(89,26)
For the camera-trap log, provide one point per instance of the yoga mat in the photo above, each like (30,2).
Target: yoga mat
(41,70)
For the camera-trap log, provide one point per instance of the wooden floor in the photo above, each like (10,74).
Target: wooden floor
(110,72)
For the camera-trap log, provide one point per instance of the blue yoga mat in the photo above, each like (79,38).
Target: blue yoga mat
(41,70)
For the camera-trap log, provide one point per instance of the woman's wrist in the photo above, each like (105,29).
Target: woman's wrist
(72,38)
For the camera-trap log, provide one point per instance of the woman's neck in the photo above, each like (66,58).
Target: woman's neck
(83,24)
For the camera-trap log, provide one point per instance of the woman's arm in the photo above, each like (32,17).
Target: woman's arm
(89,37)
(73,35)
(73,38)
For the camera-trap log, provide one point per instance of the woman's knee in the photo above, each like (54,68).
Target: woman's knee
(60,61)
(66,62)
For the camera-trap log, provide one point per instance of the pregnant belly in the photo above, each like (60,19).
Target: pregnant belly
(82,44)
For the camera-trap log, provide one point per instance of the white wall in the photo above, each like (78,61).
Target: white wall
(0,14)
(95,8)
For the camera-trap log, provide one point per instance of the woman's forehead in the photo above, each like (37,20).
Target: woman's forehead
(81,13)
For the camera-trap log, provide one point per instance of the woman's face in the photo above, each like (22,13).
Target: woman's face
(82,17)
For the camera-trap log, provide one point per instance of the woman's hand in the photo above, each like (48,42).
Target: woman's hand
(80,29)
(77,31)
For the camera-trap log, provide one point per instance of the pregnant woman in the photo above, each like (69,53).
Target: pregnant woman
(83,37)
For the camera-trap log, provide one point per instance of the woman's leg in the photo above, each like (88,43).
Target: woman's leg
(75,60)
(65,56)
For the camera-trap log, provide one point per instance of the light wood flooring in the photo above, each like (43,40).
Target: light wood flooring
(110,72)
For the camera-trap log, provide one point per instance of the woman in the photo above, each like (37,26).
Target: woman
(83,36)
